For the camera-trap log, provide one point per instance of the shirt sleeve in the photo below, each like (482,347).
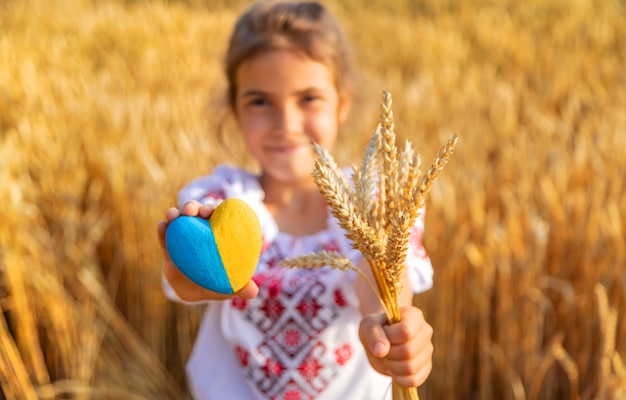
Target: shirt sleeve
(209,189)
(419,267)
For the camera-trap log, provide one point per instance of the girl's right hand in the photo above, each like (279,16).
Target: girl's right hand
(185,288)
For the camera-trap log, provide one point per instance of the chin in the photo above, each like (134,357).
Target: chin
(294,176)
(297,178)
(290,170)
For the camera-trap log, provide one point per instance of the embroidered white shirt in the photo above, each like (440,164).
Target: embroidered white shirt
(298,339)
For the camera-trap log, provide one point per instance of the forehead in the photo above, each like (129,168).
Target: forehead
(280,71)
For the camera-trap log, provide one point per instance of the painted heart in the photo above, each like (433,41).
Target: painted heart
(220,253)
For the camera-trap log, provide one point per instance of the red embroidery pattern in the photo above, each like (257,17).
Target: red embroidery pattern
(339,299)
(415,243)
(331,247)
(292,362)
(239,303)
(219,196)
(343,354)
(242,355)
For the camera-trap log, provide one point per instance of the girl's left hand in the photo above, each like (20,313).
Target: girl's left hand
(403,350)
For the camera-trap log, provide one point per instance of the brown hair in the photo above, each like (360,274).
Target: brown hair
(305,27)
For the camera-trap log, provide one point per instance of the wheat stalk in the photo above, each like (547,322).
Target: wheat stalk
(421,191)
(389,155)
(395,254)
(365,180)
(321,259)
(377,214)
(410,169)
(340,198)
(330,259)
(611,368)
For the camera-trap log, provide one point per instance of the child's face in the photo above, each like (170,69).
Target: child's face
(284,101)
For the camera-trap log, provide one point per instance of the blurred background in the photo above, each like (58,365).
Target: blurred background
(108,107)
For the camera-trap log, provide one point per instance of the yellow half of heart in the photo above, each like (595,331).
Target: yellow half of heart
(238,237)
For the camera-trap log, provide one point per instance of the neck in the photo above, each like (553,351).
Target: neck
(297,208)
(289,194)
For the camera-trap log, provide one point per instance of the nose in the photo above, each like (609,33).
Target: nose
(288,119)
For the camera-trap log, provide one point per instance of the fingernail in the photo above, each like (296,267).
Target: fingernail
(379,348)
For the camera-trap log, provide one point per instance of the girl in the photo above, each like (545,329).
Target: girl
(294,333)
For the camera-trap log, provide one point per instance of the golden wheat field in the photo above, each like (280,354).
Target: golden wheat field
(108,107)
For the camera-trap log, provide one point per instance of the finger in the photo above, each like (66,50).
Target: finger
(191,208)
(205,211)
(413,380)
(416,374)
(373,335)
(410,325)
(405,350)
(412,365)
(161,228)
(250,291)
(400,333)
(172,213)
(420,378)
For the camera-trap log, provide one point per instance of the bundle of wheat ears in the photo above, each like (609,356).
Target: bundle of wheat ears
(377,211)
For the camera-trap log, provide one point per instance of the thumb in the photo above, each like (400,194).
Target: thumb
(250,291)
(373,335)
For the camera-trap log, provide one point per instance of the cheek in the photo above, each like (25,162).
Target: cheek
(251,127)
(325,129)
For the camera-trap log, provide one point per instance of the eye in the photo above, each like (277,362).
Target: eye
(310,99)
(257,102)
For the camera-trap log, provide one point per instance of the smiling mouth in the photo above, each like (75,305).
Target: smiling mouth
(286,148)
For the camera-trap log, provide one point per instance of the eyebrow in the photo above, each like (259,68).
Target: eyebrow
(257,92)
(253,92)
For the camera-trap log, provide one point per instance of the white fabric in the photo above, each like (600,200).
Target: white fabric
(299,338)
